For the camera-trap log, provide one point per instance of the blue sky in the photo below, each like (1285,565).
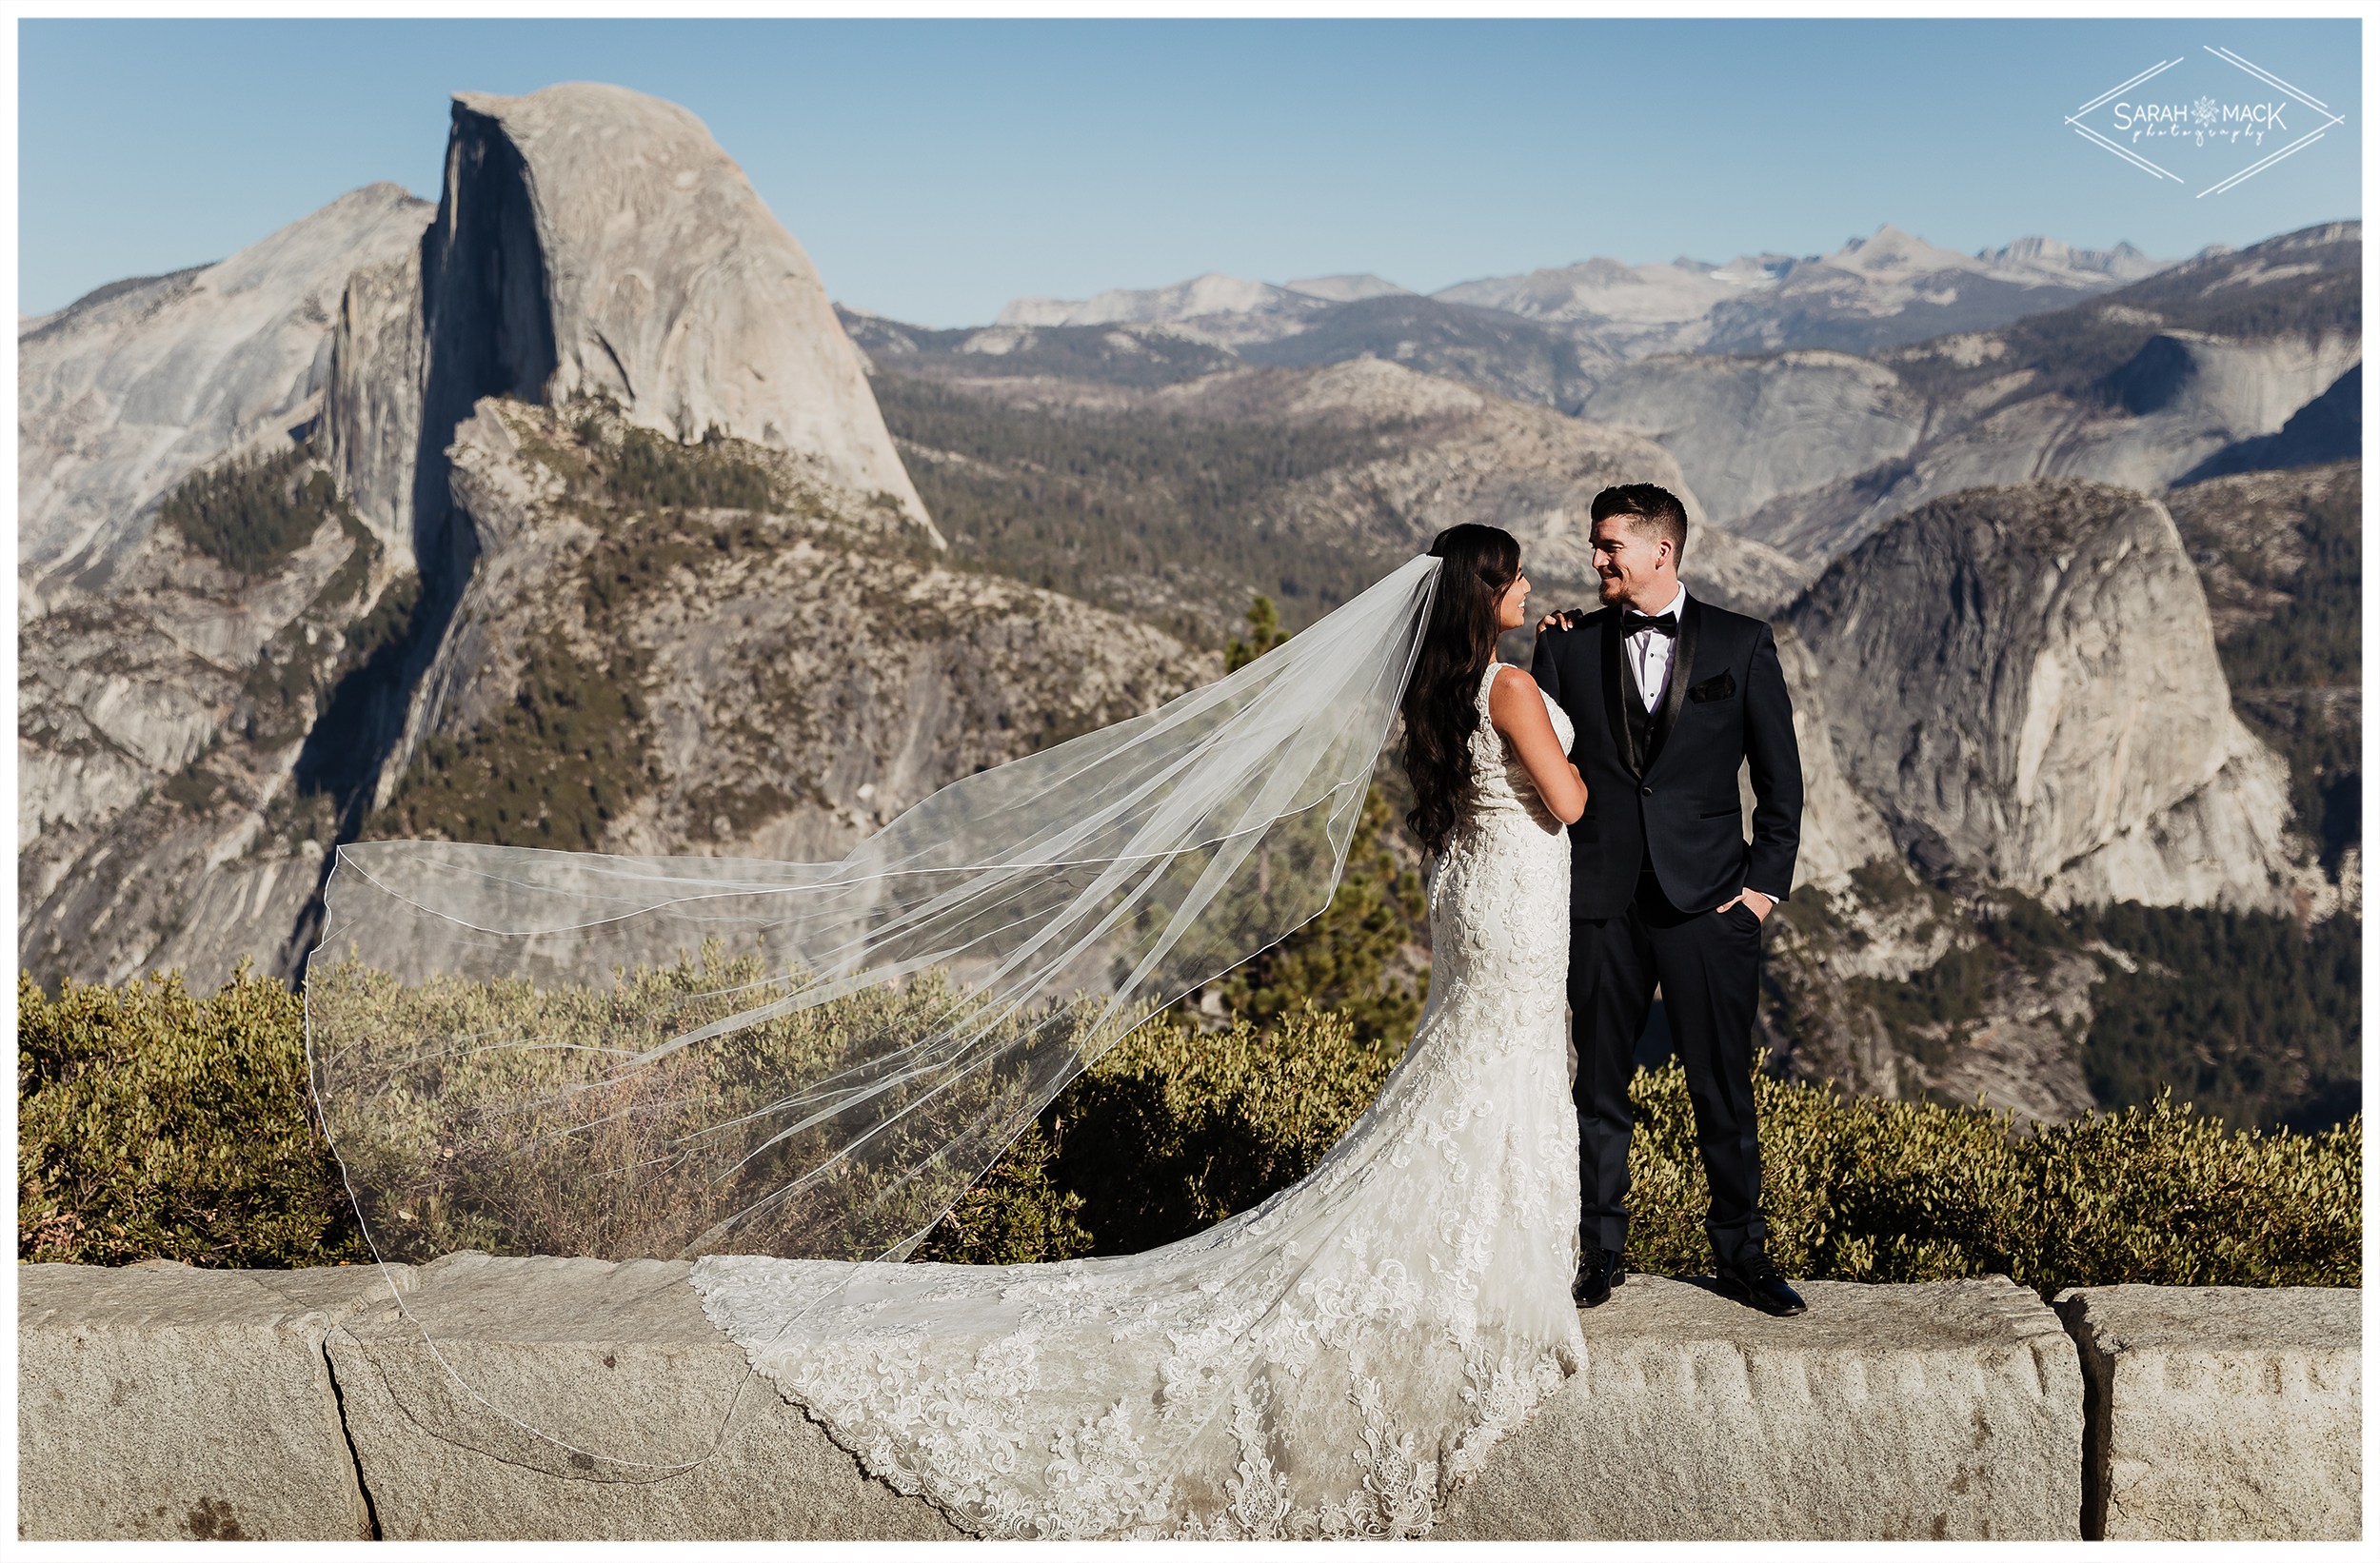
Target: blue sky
(936,169)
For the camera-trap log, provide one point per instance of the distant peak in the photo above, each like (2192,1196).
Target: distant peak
(1885,234)
(1345,287)
(380,193)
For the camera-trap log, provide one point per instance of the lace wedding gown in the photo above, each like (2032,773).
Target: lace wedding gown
(1330,1363)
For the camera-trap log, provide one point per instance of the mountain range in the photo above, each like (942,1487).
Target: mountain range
(570,512)
(1887,288)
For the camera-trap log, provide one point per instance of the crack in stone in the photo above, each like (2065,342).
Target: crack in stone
(339,1403)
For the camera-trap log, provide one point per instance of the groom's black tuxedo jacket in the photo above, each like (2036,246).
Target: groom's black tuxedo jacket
(1677,801)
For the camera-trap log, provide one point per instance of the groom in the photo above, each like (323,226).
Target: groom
(1669,696)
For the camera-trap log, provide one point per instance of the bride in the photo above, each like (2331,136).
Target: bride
(1330,1363)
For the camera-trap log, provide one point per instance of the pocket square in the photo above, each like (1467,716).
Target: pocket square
(1709,689)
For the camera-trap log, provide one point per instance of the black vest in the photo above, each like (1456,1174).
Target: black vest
(1640,720)
(1639,740)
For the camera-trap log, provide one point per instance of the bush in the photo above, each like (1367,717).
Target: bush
(1175,1130)
(560,1117)
(1868,1190)
(154,1124)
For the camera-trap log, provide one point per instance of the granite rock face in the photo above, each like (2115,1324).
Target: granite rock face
(1902,1413)
(2184,397)
(2024,681)
(800,682)
(372,405)
(161,1403)
(1751,430)
(1840,830)
(173,747)
(664,282)
(1813,450)
(195,737)
(2222,1413)
(123,393)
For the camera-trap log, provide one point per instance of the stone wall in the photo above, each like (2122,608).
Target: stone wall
(163,1402)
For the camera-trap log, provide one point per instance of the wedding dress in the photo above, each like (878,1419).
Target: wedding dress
(1330,1363)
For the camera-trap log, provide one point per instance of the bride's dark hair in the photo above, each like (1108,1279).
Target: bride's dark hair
(1442,704)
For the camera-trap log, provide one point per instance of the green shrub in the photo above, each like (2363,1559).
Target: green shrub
(155,1124)
(1862,1189)
(1017,1213)
(1171,1131)
(514,1117)
(1175,1130)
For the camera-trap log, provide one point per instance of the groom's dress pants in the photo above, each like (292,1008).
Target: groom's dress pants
(1708,966)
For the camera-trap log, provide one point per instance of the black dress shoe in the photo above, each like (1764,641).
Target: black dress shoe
(1758,1285)
(1598,1271)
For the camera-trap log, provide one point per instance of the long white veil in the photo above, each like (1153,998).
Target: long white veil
(528,1052)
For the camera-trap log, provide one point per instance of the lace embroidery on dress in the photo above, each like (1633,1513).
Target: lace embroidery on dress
(1328,1364)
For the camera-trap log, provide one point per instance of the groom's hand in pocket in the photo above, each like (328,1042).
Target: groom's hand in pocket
(1760,904)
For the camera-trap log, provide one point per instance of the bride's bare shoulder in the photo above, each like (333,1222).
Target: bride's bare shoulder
(1512,693)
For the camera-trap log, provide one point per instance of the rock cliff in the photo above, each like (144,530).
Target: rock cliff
(667,284)
(2139,387)
(2183,399)
(175,794)
(774,679)
(1750,430)
(2024,681)
(2189,370)
(204,711)
(126,391)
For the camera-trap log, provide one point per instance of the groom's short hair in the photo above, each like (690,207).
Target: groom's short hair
(1652,507)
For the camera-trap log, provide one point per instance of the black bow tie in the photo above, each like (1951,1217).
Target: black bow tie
(1659,623)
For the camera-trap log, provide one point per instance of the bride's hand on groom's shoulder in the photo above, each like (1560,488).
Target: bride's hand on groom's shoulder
(1565,619)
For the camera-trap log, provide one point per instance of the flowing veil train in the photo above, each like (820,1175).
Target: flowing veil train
(788,1069)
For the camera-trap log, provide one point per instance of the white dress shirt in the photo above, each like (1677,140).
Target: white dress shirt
(1648,652)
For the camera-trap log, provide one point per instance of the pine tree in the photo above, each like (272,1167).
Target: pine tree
(1264,633)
